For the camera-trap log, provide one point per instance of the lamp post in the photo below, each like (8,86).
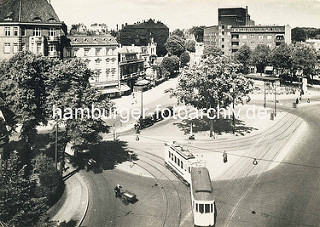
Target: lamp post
(265,95)
(275,99)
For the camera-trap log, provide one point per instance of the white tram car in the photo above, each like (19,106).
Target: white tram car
(203,206)
(180,161)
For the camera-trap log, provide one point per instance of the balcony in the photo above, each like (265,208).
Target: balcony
(53,38)
(53,54)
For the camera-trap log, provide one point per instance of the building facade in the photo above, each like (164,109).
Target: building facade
(100,52)
(140,34)
(235,28)
(30,26)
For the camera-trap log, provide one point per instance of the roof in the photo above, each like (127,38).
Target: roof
(36,11)
(201,184)
(84,40)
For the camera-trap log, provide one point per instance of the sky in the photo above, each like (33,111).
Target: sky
(186,13)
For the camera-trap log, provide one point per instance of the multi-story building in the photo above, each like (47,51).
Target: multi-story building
(131,66)
(100,52)
(235,28)
(140,34)
(30,25)
(252,36)
(99,28)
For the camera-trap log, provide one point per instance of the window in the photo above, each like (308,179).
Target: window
(175,159)
(269,37)
(169,154)
(7,31)
(181,165)
(7,48)
(261,37)
(97,51)
(222,39)
(52,49)
(37,32)
(222,46)
(178,162)
(207,208)
(23,32)
(222,32)
(86,51)
(201,208)
(15,48)
(52,32)
(23,47)
(222,26)
(244,37)
(39,48)
(15,31)
(197,207)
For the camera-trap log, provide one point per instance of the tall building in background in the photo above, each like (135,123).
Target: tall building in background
(141,34)
(30,25)
(235,28)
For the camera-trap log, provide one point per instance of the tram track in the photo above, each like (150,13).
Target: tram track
(162,172)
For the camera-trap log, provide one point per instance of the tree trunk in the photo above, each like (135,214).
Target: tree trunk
(211,127)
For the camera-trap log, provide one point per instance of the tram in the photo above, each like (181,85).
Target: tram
(180,161)
(203,205)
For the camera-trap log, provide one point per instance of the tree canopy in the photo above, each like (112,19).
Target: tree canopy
(261,57)
(243,56)
(212,51)
(170,64)
(216,82)
(175,45)
(197,31)
(184,58)
(190,45)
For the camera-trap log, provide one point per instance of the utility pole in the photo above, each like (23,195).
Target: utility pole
(265,95)
(56,148)
(275,99)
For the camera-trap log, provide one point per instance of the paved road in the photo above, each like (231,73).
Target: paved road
(285,196)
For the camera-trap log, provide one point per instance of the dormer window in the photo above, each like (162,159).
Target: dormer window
(37,19)
(52,20)
(37,32)
(94,40)
(75,40)
(85,39)
(9,16)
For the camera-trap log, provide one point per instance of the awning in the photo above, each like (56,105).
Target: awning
(142,82)
(124,88)
(110,90)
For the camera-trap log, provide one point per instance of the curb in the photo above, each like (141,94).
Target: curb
(86,201)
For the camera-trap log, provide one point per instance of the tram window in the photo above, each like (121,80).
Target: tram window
(181,165)
(189,169)
(175,159)
(197,207)
(172,157)
(178,162)
(169,154)
(211,205)
(207,208)
(201,208)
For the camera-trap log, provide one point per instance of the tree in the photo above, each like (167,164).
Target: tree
(281,58)
(178,32)
(209,86)
(31,85)
(298,35)
(304,57)
(190,45)
(198,31)
(175,45)
(212,51)
(170,64)
(243,56)
(261,57)
(23,89)
(184,58)
(19,205)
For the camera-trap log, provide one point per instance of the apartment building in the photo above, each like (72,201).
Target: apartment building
(235,28)
(30,26)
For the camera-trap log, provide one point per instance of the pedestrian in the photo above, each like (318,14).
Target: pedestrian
(297,101)
(225,157)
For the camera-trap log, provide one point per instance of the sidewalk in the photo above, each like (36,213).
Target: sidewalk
(74,202)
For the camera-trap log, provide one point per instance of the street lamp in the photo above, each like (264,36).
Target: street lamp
(275,99)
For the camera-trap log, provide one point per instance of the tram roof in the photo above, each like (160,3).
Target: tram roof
(201,184)
(185,153)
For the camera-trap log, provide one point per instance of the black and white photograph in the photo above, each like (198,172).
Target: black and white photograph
(159,113)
